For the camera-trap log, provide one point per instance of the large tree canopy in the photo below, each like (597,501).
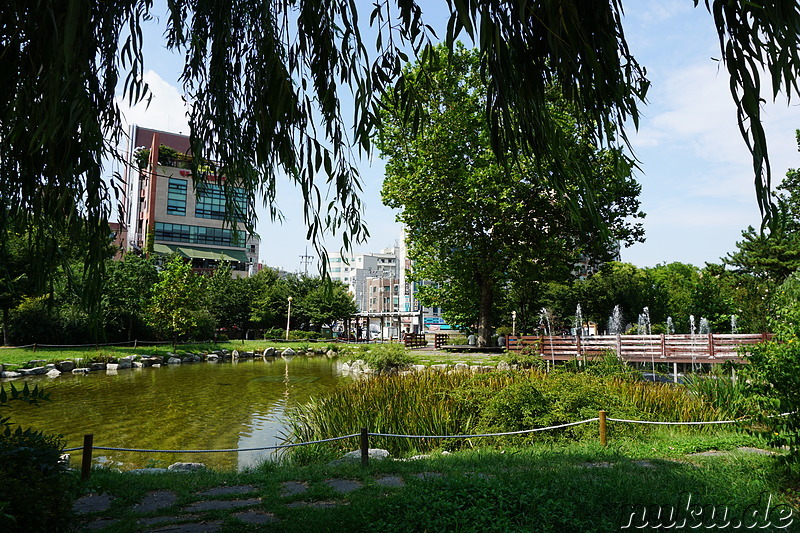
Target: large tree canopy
(266,79)
(474,225)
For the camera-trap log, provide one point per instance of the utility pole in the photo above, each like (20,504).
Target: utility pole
(305,260)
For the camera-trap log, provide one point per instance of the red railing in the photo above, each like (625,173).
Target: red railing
(712,347)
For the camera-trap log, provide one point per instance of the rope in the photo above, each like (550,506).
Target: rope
(484,434)
(673,423)
(215,451)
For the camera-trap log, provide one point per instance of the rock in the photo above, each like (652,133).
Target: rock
(462,366)
(138,364)
(503,366)
(418,368)
(37,362)
(440,368)
(197,359)
(112,366)
(53,373)
(235,354)
(49,366)
(288,351)
(157,365)
(173,361)
(187,359)
(212,358)
(186,467)
(148,471)
(125,362)
(151,360)
(269,352)
(80,370)
(9,374)
(330,353)
(373,453)
(97,366)
(65,366)
(249,355)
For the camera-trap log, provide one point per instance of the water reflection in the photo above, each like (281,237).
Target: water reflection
(188,407)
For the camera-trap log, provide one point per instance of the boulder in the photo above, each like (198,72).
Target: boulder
(148,471)
(330,353)
(502,366)
(97,366)
(462,366)
(269,352)
(125,362)
(9,374)
(138,364)
(186,467)
(38,371)
(150,361)
(373,453)
(66,366)
(156,365)
(173,361)
(235,354)
(80,370)
(187,359)
(53,373)
(196,358)
(112,367)
(287,352)
(212,358)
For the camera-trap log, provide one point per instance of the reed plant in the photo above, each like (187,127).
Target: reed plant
(461,403)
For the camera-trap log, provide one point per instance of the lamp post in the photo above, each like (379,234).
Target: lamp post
(514,323)
(288,317)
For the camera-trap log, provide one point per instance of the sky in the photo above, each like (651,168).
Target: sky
(695,170)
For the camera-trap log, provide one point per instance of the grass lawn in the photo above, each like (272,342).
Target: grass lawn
(545,487)
(16,356)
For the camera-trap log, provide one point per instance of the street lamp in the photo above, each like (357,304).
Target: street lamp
(514,323)
(288,317)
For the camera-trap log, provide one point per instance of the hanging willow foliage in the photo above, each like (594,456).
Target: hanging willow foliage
(266,80)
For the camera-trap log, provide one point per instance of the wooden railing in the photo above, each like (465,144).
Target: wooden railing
(415,340)
(712,347)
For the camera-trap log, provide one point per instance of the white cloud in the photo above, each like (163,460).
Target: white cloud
(166,111)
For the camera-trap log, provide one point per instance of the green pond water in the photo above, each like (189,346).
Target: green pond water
(200,406)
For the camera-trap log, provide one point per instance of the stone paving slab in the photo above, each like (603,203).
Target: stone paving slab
(96,525)
(390,481)
(155,520)
(343,486)
(213,505)
(92,503)
(291,488)
(155,501)
(255,517)
(222,491)
(195,527)
(323,504)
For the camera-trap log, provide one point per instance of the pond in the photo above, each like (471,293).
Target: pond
(200,406)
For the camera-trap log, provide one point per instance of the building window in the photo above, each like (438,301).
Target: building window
(211,202)
(198,234)
(176,197)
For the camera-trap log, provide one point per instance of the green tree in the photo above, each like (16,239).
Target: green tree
(328,303)
(178,298)
(266,81)
(230,301)
(467,217)
(127,293)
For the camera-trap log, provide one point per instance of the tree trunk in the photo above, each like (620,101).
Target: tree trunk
(5,326)
(485,310)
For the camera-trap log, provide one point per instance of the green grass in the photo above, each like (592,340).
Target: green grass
(543,487)
(18,356)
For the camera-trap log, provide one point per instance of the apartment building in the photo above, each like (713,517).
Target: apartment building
(167,212)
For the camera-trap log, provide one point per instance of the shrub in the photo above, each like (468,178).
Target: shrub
(35,491)
(387,357)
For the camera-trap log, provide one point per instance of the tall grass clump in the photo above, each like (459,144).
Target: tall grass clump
(383,357)
(462,403)
(729,396)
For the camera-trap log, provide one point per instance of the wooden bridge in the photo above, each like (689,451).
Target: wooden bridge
(704,348)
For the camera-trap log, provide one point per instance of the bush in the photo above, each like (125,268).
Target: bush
(35,488)
(387,357)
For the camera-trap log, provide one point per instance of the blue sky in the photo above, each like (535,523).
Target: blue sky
(696,173)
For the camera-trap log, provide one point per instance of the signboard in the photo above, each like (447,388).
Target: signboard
(434,320)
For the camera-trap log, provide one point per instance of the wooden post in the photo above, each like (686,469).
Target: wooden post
(34,347)
(711,345)
(134,343)
(603,440)
(675,372)
(619,346)
(663,346)
(364,447)
(86,458)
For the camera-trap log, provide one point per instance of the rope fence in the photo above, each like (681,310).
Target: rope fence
(364,435)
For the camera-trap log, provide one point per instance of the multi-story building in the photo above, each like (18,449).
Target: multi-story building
(167,212)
